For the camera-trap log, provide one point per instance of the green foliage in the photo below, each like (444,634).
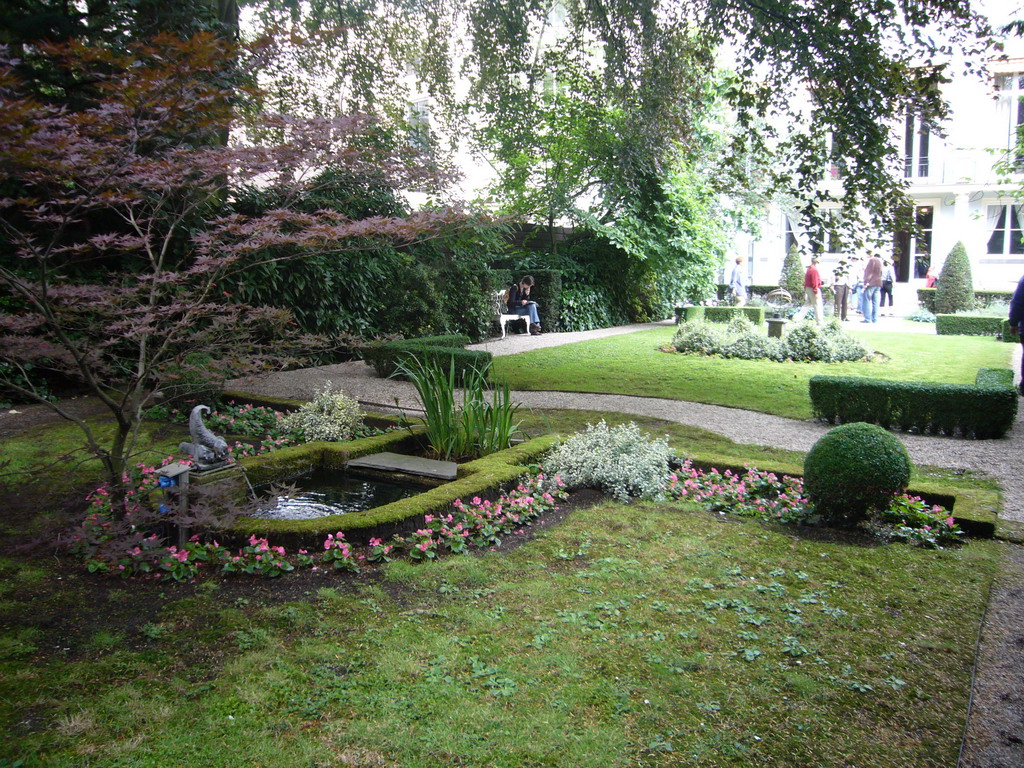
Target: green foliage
(622,461)
(983,411)
(806,343)
(792,277)
(726,314)
(853,469)
(586,308)
(485,423)
(331,416)
(982,299)
(968,325)
(387,357)
(955,290)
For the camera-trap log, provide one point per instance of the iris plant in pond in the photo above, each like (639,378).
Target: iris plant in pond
(484,423)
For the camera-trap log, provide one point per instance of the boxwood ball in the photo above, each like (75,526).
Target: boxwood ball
(853,469)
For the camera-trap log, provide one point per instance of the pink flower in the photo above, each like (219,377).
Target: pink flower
(423,546)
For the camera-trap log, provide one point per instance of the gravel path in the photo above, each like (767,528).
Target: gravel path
(995,457)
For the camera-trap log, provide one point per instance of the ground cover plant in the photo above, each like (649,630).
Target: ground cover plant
(632,364)
(649,634)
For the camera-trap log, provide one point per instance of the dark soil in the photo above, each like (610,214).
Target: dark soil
(21,418)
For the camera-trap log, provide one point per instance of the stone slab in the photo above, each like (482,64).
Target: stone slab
(410,465)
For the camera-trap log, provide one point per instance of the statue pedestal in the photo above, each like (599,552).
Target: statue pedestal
(775,325)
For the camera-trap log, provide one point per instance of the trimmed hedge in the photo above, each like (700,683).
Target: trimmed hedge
(440,349)
(985,410)
(1004,332)
(475,478)
(967,325)
(926,298)
(719,314)
(854,468)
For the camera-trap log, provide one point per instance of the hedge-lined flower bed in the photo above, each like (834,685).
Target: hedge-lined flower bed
(780,498)
(481,523)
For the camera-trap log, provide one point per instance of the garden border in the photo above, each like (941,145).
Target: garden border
(475,478)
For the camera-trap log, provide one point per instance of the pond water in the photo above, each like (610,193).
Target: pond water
(333,493)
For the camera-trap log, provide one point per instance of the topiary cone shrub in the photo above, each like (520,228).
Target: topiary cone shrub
(854,469)
(955,289)
(792,278)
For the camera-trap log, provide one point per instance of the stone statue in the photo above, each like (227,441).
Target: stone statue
(206,448)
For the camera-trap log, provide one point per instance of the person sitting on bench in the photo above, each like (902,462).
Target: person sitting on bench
(519,303)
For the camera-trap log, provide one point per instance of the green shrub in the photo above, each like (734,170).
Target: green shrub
(983,410)
(854,469)
(806,342)
(690,314)
(622,461)
(330,416)
(792,278)
(955,290)
(921,315)
(442,350)
(585,308)
(1004,331)
(698,337)
(725,314)
(967,325)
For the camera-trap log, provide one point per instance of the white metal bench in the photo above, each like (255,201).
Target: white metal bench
(504,316)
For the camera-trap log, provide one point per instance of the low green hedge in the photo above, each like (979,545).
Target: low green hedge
(719,314)
(985,410)
(441,349)
(475,478)
(968,325)
(926,298)
(1004,332)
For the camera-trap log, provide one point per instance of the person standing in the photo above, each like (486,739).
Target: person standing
(872,288)
(841,286)
(888,279)
(1017,319)
(737,284)
(812,290)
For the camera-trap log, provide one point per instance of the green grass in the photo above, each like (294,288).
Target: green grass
(649,634)
(632,364)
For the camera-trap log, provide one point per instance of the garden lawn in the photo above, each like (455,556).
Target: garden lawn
(649,634)
(632,364)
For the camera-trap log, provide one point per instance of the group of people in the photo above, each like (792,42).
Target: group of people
(867,293)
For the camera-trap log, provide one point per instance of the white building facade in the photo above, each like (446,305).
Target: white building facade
(957,194)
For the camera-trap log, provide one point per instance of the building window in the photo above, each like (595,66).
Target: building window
(916,139)
(921,240)
(790,235)
(825,236)
(419,123)
(1004,229)
(1010,87)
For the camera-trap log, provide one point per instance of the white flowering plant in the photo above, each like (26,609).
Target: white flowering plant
(330,415)
(622,461)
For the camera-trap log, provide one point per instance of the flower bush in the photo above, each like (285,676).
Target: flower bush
(806,342)
(481,523)
(780,498)
(622,461)
(330,415)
